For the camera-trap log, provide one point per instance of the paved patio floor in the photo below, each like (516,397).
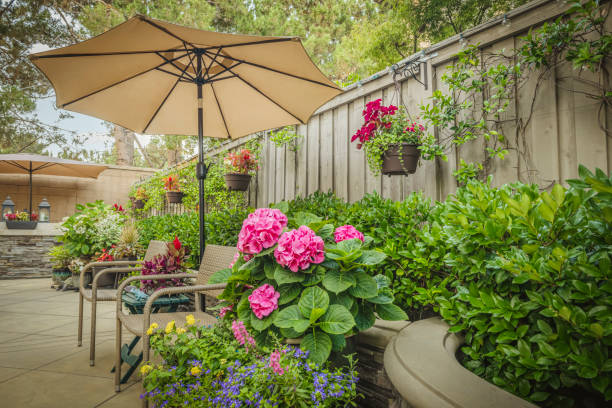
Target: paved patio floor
(40,363)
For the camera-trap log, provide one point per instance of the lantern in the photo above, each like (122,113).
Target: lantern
(44,211)
(8,207)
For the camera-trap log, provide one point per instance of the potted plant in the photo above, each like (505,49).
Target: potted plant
(390,141)
(170,263)
(140,196)
(21,220)
(60,260)
(103,256)
(128,248)
(305,280)
(75,266)
(239,167)
(174,195)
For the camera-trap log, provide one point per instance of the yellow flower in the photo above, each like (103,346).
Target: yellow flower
(151,328)
(190,319)
(180,330)
(223,361)
(195,370)
(170,327)
(145,369)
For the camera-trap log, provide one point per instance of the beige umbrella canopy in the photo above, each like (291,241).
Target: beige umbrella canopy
(24,163)
(155,77)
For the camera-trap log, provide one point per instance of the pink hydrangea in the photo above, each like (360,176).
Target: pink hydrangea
(261,230)
(299,248)
(236,256)
(275,363)
(347,232)
(224,310)
(264,300)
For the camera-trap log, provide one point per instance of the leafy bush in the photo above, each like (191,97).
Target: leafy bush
(211,367)
(222,228)
(93,227)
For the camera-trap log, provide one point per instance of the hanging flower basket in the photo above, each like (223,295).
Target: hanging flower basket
(139,204)
(237,181)
(174,197)
(400,159)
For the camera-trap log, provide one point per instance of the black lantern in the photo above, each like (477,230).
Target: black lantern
(44,211)
(8,207)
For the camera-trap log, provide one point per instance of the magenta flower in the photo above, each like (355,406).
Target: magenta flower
(275,363)
(299,248)
(264,300)
(261,230)
(224,310)
(242,335)
(347,232)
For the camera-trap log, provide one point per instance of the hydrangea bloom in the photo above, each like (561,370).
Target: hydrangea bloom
(264,300)
(299,248)
(261,230)
(347,232)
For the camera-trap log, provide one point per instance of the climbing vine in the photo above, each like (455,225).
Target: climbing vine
(482,87)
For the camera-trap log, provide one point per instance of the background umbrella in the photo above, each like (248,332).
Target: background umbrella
(24,163)
(155,77)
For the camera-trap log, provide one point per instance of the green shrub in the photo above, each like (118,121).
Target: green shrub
(222,228)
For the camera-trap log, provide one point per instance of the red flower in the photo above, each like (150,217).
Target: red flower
(177,243)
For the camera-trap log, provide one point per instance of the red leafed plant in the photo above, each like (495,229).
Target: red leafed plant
(240,162)
(170,263)
(105,256)
(118,208)
(171,183)
(21,216)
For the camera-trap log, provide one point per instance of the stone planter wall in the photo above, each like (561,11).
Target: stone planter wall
(23,253)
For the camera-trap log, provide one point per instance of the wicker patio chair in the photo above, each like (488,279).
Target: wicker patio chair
(95,295)
(215,258)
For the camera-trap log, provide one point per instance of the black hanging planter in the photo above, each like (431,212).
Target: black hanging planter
(237,181)
(401,159)
(139,204)
(174,197)
(23,225)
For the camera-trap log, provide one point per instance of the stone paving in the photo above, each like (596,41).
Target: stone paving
(40,363)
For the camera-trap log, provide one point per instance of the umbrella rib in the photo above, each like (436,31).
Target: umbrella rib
(19,166)
(183,71)
(280,72)
(103,54)
(43,166)
(161,105)
(119,82)
(274,40)
(220,111)
(165,30)
(266,96)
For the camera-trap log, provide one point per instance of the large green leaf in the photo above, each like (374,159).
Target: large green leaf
(220,276)
(314,277)
(364,318)
(385,296)
(343,299)
(291,318)
(244,309)
(283,276)
(318,344)
(315,314)
(337,320)
(338,342)
(290,333)
(365,286)
(390,312)
(262,324)
(350,245)
(370,258)
(313,297)
(269,269)
(337,281)
(288,292)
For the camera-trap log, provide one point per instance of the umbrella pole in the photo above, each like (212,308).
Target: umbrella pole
(201,169)
(30,188)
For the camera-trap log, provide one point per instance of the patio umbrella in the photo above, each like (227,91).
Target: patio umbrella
(25,163)
(154,77)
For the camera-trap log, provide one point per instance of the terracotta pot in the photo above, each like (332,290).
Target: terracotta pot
(401,159)
(237,181)
(174,197)
(139,204)
(15,224)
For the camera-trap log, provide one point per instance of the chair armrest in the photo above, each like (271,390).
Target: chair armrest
(146,277)
(174,291)
(94,282)
(107,263)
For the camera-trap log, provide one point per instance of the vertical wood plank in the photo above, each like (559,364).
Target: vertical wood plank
(313,164)
(327,156)
(341,151)
(356,174)
(301,179)
(262,173)
(280,174)
(271,175)
(290,171)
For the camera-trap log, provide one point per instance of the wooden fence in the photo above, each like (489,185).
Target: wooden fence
(564,130)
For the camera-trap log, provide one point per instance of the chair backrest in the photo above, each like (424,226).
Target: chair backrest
(155,248)
(216,257)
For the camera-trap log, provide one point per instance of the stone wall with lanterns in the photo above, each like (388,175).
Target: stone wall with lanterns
(23,253)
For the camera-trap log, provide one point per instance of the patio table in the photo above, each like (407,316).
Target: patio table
(136,306)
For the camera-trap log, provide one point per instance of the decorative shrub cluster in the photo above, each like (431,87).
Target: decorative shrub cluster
(221,367)
(170,263)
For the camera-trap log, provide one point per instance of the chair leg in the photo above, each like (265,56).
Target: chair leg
(92,335)
(117,354)
(80,332)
